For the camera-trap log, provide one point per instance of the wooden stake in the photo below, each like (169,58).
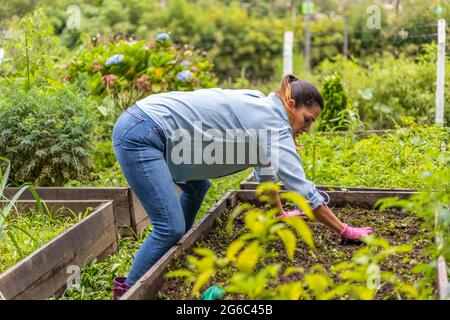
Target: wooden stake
(440,73)
(287,52)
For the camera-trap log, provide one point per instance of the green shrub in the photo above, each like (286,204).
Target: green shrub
(394,160)
(338,113)
(117,74)
(32,50)
(45,132)
(388,87)
(126,70)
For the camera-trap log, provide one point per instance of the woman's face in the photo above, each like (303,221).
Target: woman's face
(304,117)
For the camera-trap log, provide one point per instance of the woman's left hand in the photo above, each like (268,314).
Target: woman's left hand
(355,233)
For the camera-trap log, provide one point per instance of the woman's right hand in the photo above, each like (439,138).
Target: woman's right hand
(355,233)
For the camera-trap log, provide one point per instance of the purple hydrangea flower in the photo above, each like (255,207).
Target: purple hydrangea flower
(186,63)
(184,75)
(162,37)
(115,59)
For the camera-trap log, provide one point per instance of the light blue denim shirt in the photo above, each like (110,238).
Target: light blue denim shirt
(212,113)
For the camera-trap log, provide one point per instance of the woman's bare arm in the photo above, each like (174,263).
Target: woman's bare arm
(322,213)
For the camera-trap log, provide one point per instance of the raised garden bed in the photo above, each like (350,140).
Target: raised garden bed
(44,272)
(153,285)
(251,184)
(129,213)
(38,228)
(97,277)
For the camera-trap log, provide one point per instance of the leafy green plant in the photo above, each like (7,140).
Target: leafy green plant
(115,74)
(45,132)
(395,159)
(389,86)
(432,206)
(248,250)
(8,229)
(125,71)
(33,51)
(338,113)
(254,271)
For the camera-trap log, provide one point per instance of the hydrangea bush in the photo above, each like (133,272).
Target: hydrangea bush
(130,70)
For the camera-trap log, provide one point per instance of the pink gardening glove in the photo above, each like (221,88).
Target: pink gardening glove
(355,233)
(293,213)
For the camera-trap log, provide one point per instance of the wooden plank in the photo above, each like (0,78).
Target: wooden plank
(251,184)
(364,133)
(57,207)
(55,281)
(43,273)
(73,193)
(364,199)
(119,195)
(147,287)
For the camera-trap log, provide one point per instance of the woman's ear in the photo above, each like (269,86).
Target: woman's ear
(291,103)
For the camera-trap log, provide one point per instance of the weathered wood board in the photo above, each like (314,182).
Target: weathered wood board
(43,273)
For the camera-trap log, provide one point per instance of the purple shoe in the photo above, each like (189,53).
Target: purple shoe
(120,287)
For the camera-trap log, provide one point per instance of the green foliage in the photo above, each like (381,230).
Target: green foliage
(327,38)
(143,68)
(22,233)
(97,277)
(234,33)
(432,206)
(117,74)
(395,159)
(232,36)
(40,227)
(32,51)
(247,251)
(45,132)
(387,87)
(255,271)
(6,228)
(338,113)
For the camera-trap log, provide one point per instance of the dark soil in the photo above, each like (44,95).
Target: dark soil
(395,226)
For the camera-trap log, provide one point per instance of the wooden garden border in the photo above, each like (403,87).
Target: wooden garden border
(43,273)
(148,286)
(57,207)
(251,184)
(128,210)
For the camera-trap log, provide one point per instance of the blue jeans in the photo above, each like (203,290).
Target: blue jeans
(139,145)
